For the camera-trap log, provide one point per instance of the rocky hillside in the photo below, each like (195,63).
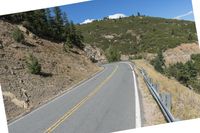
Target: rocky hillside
(139,34)
(181,53)
(23,91)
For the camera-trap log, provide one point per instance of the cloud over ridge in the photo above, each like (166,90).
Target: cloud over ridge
(183,15)
(87,21)
(116,16)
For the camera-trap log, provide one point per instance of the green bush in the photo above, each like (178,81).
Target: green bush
(184,73)
(18,35)
(67,46)
(159,62)
(33,65)
(112,54)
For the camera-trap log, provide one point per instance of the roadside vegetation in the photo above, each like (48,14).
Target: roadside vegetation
(159,62)
(112,54)
(18,35)
(33,65)
(186,73)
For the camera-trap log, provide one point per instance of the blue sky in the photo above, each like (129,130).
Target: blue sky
(97,9)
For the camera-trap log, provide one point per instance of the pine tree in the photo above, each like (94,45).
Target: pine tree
(66,26)
(58,28)
(138,14)
(58,16)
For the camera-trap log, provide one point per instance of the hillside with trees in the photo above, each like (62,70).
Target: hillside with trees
(138,34)
(51,24)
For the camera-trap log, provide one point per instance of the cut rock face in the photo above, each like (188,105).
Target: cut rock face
(95,54)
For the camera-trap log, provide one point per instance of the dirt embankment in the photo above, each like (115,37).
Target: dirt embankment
(23,91)
(181,53)
(185,102)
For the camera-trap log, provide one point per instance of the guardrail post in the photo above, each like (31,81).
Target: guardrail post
(156,87)
(150,81)
(166,99)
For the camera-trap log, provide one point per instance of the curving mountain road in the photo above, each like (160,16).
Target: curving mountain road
(107,102)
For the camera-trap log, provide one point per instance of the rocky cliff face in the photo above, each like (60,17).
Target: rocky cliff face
(95,54)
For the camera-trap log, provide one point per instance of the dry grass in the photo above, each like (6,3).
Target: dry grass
(151,112)
(185,102)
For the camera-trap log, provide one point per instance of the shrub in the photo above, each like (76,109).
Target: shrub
(18,35)
(184,73)
(112,54)
(159,62)
(33,64)
(67,46)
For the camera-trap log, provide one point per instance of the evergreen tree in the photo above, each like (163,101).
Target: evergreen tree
(58,16)
(66,26)
(58,27)
(138,14)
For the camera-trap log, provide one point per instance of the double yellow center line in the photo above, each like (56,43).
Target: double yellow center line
(77,106)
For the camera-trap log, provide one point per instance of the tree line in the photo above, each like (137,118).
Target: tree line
(51,24)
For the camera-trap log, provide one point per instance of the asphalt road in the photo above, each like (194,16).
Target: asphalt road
(105,103)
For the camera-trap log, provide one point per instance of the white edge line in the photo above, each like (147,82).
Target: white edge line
(137,101)
(58,97)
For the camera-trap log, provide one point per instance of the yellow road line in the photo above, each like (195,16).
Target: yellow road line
(77,106)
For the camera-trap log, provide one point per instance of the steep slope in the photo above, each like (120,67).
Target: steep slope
(137,34)
(24,91)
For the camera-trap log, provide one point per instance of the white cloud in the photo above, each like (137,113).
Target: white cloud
(116,16)
(183,15)
(87,21)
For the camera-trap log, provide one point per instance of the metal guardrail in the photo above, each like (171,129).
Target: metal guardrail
(154,91)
